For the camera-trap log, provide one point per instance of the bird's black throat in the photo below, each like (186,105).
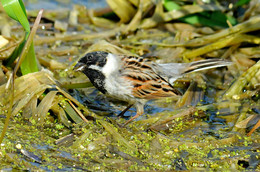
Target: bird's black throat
(96,78)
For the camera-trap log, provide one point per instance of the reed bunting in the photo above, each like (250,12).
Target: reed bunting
(135,79)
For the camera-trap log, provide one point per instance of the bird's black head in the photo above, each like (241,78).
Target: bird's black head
(90,65)
(96,58)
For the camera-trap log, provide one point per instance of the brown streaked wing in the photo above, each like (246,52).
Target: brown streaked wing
(146,83)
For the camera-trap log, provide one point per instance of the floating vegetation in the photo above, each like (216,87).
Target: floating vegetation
(59,121)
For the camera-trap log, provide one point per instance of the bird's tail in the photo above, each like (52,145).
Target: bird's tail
(205,64)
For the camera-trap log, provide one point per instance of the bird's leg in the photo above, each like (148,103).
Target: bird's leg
(139,111)
(254,128)
(126,109)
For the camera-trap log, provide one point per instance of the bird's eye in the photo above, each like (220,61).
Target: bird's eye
(90,57)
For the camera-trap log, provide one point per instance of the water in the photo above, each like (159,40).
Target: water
(58,4)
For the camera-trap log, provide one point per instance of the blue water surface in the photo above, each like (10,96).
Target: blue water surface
(59,4)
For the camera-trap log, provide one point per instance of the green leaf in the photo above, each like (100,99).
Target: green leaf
(241,2)
(29,63)
(16,10)
(17,51)
(171,5)
(215,18)
(207,18)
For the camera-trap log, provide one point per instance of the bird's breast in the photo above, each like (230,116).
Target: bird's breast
(119,88)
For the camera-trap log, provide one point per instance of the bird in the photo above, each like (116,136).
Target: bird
(136,79)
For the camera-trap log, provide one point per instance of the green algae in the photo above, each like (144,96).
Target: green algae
(92,147)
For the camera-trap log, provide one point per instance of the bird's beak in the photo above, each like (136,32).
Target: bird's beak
(79,67)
